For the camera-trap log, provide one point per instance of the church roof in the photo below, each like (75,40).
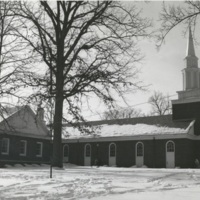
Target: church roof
(157,125)
(24,122)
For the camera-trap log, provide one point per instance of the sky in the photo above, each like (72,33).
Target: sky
(160,70)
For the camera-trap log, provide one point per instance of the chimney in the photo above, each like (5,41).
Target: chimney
(40,114)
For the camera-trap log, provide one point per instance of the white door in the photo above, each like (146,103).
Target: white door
(139,154)
(170,154)
(87,155)
(112,154)
(65,153)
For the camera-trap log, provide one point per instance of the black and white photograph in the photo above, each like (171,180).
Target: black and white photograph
(99,100)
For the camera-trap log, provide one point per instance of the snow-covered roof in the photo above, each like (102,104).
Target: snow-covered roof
(156,125)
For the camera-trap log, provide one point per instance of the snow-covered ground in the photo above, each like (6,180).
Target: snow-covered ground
(103,183)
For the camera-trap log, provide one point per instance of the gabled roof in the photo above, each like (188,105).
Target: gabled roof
(24,122)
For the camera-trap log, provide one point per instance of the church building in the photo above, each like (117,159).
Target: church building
(167,141)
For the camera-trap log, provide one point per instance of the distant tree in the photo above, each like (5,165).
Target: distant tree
(172,16)
(87,47)
(122,113)
(160,103)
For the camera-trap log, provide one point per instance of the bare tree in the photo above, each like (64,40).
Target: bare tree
(161,105)
(122,113)
(172,16)
(87,47)
(11,57)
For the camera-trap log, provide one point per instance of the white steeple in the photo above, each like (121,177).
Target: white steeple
(191,78)
(191,59)
(190,47)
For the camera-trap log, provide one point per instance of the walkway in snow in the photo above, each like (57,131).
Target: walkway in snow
(73,183)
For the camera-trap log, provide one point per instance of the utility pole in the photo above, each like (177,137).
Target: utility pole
(51,122)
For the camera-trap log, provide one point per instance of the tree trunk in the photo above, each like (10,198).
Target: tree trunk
(57,140)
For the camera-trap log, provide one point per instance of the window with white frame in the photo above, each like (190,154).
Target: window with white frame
(39,147)
(170,146)
(140,149)
(112,150)
(22,148)
(5,146)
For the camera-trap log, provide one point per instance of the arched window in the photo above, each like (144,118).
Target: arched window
(87,150)
(112,150)
(139,149)
(66,151)
(170,146)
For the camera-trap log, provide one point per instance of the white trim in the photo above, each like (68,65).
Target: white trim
(87,160)
(41,149)
(170,141)
(167,144)
(142,148)
(186,100)
(139,160)
(25,146)
(183,135)
(112,159)
(8,146)
(115,149)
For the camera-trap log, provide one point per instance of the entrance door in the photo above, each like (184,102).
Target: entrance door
(112,154)
(87,155)
(65,153)
(170,154)
(139,154)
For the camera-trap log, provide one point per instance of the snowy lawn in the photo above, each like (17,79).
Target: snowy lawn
(103,183)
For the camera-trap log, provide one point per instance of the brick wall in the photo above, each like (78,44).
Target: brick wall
(30,157)
(188,111)
(154,153)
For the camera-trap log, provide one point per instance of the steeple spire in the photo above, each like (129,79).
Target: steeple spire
(191,59)
(190,47)
(191,73)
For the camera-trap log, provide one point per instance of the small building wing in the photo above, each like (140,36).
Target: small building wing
(24,122)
